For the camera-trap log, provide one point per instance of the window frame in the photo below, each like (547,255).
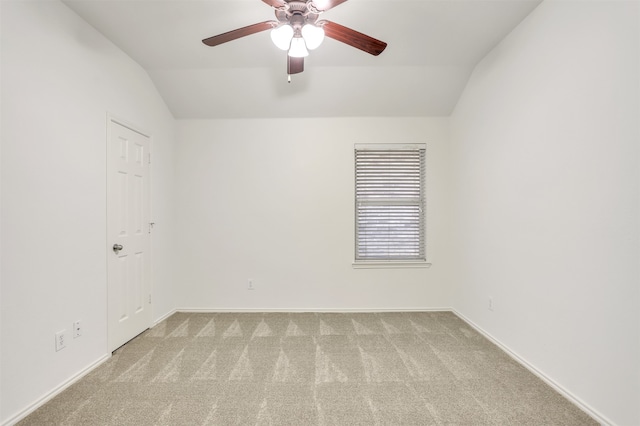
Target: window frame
(392,263)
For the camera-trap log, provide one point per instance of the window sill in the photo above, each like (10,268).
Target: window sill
(389,265)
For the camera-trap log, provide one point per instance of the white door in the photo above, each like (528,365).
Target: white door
(128,205)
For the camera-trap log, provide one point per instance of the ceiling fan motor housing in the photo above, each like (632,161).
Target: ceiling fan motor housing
(298,13)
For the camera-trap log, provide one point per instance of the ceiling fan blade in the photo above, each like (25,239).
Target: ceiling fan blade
(324,5)
(294,65)
(240,32)
(276,3)
(353,38)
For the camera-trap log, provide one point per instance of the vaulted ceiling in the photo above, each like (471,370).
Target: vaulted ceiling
(433,46)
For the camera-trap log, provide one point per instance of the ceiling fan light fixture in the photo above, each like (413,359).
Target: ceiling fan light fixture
(281,36)
(298,48)
(313,36)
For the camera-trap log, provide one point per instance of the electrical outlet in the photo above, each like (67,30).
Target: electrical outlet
(491,303)
(77,329)
(250,284)
(61,340)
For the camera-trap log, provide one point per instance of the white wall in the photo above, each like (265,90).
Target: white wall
(60,78)
(545,148)
(273,200)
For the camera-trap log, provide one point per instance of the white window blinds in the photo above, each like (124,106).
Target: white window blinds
(390,204)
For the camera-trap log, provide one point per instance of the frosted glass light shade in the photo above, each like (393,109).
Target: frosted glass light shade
(298,48)
(282,36)
(313,36)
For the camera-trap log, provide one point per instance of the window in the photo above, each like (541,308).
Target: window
(390,204)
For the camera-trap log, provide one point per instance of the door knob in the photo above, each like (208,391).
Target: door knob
(117,248)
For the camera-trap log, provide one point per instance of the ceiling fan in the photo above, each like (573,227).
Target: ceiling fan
(298,30)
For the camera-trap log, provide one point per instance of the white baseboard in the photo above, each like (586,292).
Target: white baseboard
(562,391)
(314,310)
(50,395)
(164,317)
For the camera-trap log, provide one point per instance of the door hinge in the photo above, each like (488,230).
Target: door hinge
(149,299)
(151,226)
(149,158)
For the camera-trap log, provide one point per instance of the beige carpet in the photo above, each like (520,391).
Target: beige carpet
(310,369)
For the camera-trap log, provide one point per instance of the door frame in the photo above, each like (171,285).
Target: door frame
(111,119)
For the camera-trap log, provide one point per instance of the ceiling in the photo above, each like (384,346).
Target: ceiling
(433,45)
